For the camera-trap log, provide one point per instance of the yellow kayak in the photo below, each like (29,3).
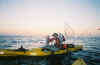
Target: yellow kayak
(37,52)
(79,62)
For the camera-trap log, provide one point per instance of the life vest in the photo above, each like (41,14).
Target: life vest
(64,46)
(57,41)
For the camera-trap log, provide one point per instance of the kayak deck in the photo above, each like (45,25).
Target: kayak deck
(37,52)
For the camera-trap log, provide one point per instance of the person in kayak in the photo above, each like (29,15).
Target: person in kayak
(55,40)
(52,43)
(62,40)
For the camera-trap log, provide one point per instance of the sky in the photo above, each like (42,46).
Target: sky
(41,17)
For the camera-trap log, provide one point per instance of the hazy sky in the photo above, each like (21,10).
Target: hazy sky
(32,17)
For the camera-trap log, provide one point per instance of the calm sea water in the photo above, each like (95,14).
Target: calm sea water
(90,53)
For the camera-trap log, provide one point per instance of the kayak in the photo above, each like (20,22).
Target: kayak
(79,61)
(38,51)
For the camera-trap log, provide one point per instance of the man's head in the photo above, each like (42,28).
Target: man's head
(55,35)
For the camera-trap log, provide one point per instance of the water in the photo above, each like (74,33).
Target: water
(90,53)
(14,42)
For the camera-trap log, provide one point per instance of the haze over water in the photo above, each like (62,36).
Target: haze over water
(41,17)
